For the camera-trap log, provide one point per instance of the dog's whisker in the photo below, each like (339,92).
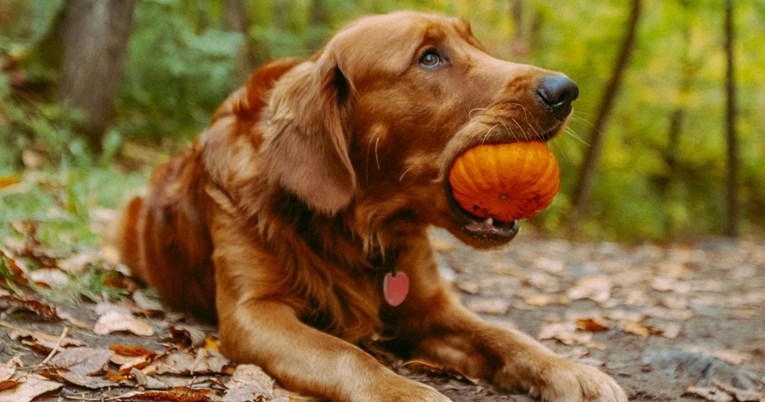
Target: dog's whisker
(377,155)
(401,178)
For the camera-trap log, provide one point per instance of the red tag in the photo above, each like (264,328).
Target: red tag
(395,288)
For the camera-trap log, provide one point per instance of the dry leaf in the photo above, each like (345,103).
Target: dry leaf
(546,300)
(495,306)
(7,182)
(206,361)
(177,394)
(711,394)
(49,277)
(742,395)
(131,357)
(591,325)
(115,321)
(422,365)
(187,336)
(29,388)
(39,340)
(82,380)
(567,334)
(85,361)
(596,288)
(668,284)
(248,383)
(144,381)
(469,287)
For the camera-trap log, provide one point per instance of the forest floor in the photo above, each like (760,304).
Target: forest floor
(678,322)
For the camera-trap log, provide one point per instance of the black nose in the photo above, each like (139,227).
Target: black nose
(557,92)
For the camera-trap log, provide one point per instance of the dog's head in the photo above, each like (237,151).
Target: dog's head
(376,118)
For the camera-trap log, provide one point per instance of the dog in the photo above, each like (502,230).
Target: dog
(299,218)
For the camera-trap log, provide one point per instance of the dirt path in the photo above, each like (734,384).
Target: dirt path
(670,323)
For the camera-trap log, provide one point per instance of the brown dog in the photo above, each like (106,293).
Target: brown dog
(312,190)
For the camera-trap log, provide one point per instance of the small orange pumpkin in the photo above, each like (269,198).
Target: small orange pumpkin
(505,181)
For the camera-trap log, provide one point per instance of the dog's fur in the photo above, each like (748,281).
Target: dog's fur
(320,176)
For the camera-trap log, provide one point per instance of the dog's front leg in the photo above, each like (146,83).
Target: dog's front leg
(258,325)
(433,325)
(268,334)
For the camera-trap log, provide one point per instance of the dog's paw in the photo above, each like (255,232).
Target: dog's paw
(572,382)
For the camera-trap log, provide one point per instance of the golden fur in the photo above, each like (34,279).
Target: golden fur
(317,178)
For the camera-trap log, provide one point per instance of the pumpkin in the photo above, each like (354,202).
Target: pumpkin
(505,181)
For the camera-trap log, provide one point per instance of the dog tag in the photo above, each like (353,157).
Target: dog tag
(395,288)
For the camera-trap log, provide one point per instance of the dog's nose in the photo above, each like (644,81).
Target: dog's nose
(557,92)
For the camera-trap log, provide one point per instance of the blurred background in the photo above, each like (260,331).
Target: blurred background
(666,143)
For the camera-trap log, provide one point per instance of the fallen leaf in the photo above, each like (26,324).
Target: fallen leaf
(49,277)
(596,288)
(114,321)
(567,334)
(211,343)
(131,357)
(742,395)
(74,378)
(494,306)
(591,325)
(637,328)
(550,265)
(731,357)
(29,388)
(39,340)
(205,361)
(711,394)
(668,284)
(546,300)
(469,287)
(450,372)
(85,361)
(147,382)
(146,305)
(249,383)
(177,394)
(127,350)
(8,181)
(33,305)
(187,336)
(6,371)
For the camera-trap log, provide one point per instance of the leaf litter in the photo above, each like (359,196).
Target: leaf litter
(603,304)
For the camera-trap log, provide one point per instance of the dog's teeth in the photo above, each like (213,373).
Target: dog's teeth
(489,221)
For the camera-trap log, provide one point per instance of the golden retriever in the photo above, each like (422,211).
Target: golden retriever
(299,219)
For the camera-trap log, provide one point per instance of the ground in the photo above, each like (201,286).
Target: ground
(678,322)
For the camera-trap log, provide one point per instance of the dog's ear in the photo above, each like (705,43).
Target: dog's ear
(306,146)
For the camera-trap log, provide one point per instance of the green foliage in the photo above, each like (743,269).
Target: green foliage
(50,217)
(32,126)
(181,65)
(175,75)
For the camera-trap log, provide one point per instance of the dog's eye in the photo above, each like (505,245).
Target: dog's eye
(431,59)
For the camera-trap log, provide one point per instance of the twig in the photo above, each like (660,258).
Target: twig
(56,346)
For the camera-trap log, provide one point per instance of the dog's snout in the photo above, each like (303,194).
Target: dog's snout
(557,92)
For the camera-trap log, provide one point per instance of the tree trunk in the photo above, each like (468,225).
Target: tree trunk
(688,69)
(731,227)
(589,166)
(520,48)
(235,19)
(94,37)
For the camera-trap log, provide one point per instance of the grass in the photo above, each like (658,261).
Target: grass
(54,225)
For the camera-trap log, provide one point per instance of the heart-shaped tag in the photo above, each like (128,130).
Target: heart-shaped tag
(395,288)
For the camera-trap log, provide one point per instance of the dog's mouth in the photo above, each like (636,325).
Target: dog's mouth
(491,231)
(487,231)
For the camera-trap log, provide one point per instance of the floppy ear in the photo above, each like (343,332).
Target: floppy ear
(306,148)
